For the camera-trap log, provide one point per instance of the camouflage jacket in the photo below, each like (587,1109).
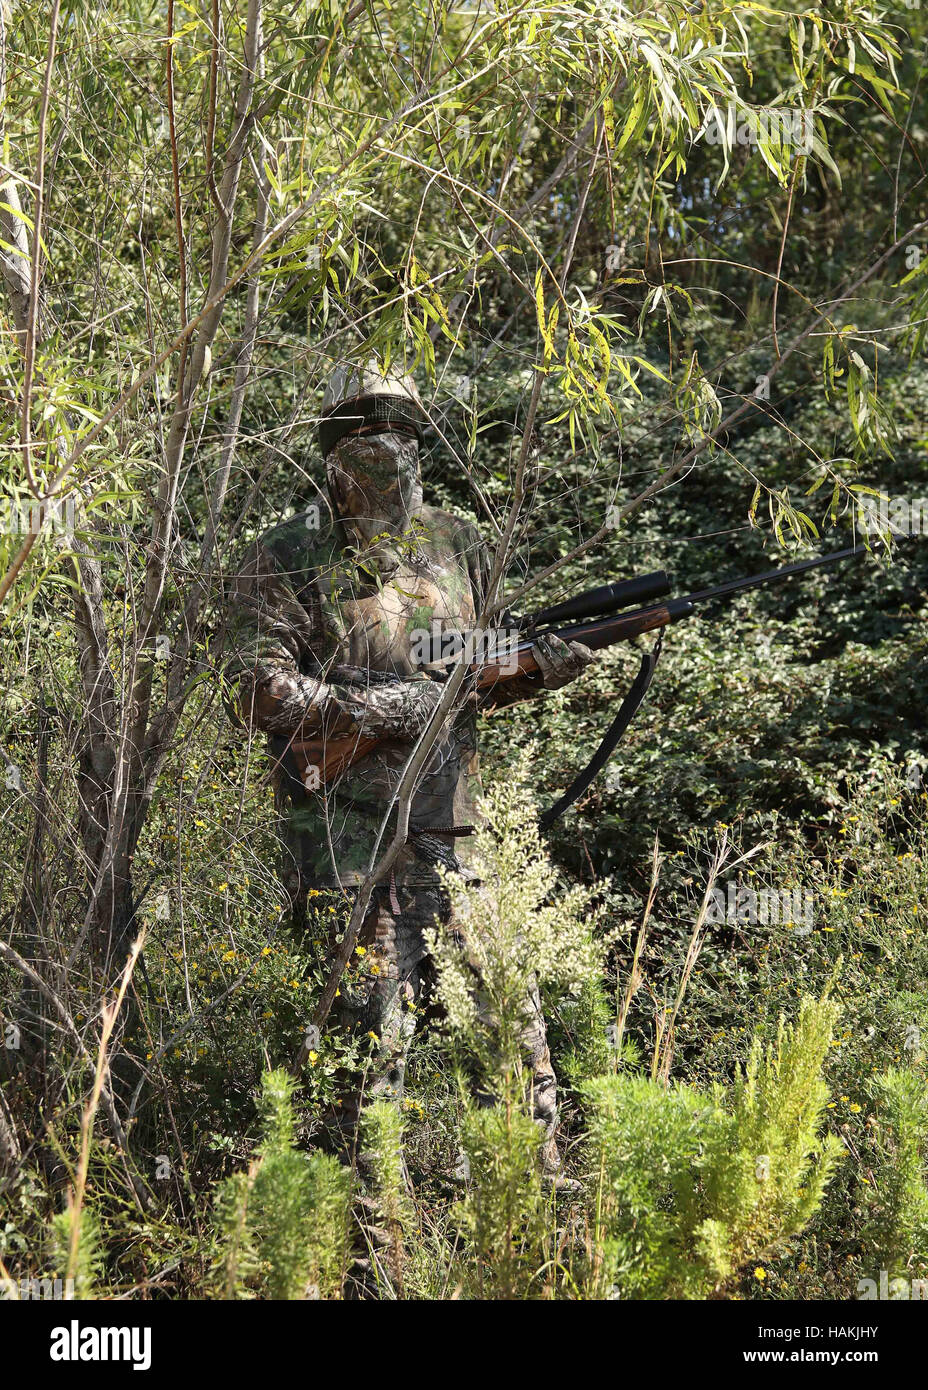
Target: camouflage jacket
(315,643)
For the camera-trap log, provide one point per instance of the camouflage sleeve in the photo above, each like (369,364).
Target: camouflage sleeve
(273,639)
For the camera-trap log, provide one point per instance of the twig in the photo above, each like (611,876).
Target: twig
(32,320)
(12,957)
(108,1014)
(178,210)
(634,976)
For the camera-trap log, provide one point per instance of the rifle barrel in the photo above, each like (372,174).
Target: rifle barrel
(754,581)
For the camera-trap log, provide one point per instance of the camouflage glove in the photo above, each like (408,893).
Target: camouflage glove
(400,709)
(560,662)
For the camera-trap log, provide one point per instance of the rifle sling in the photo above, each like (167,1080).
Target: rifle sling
(613,735)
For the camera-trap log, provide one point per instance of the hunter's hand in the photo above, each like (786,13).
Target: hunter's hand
(420,699)
(392,709)
(560,662)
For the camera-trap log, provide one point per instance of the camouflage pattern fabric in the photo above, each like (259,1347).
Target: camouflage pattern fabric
(320,644)
(320,618)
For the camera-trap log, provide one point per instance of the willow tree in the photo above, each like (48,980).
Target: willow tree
(206,203)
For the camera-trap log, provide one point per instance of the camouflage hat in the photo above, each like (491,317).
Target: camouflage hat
(366,400)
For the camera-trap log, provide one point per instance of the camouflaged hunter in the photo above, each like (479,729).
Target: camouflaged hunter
(322,616)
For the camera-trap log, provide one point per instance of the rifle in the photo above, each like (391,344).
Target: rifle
(608,622)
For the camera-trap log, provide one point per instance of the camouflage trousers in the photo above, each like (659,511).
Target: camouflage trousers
(380,1003)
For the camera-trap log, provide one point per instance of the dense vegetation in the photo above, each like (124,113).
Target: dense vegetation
(655,328)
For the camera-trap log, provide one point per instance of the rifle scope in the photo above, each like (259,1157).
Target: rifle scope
(608,598)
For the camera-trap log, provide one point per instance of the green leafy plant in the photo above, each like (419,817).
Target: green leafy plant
(689,1186)
(897,1203)
(282,1226)
(382,1159)
(522,930)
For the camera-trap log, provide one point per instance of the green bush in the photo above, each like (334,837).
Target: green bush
(897,1205)
(690,1186)
(282,1226)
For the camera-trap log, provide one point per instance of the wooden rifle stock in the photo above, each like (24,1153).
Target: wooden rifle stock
(604,632)
(321,760)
